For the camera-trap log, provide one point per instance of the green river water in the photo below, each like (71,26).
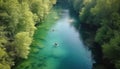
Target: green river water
(69,51)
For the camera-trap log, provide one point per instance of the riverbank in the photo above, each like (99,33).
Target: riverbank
(38,43)
(70,51)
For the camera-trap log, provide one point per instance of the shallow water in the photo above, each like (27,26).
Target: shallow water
(69,53)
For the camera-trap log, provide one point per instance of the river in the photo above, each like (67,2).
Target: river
(63,48)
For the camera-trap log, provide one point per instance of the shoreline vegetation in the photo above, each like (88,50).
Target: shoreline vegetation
(100,20)
(18,21)
(99,26)
(38,44)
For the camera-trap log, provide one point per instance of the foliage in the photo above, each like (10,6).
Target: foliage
(105,15)
(18,19)
(38,43)
(22,43)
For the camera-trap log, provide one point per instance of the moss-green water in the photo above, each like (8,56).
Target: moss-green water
(70,52)
(36,60)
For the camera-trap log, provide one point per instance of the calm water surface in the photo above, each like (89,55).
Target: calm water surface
(69,53)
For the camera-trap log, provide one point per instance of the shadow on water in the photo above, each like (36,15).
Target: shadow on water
(79,56)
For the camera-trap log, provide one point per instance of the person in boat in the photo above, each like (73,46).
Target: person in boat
(56,44)
(71,20)
(53,30)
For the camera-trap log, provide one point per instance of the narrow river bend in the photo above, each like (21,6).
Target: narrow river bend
(64,48)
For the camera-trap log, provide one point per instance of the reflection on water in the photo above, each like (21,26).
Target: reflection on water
(63,49)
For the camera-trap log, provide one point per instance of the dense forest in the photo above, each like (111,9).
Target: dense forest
(18,21)
(103,17)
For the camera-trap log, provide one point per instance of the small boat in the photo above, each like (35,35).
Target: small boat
(71,20)
(53,30)
(56,44)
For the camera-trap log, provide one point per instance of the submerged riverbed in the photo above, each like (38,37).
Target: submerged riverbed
(58,46)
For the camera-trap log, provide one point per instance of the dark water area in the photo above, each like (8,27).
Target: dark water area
(63,46)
